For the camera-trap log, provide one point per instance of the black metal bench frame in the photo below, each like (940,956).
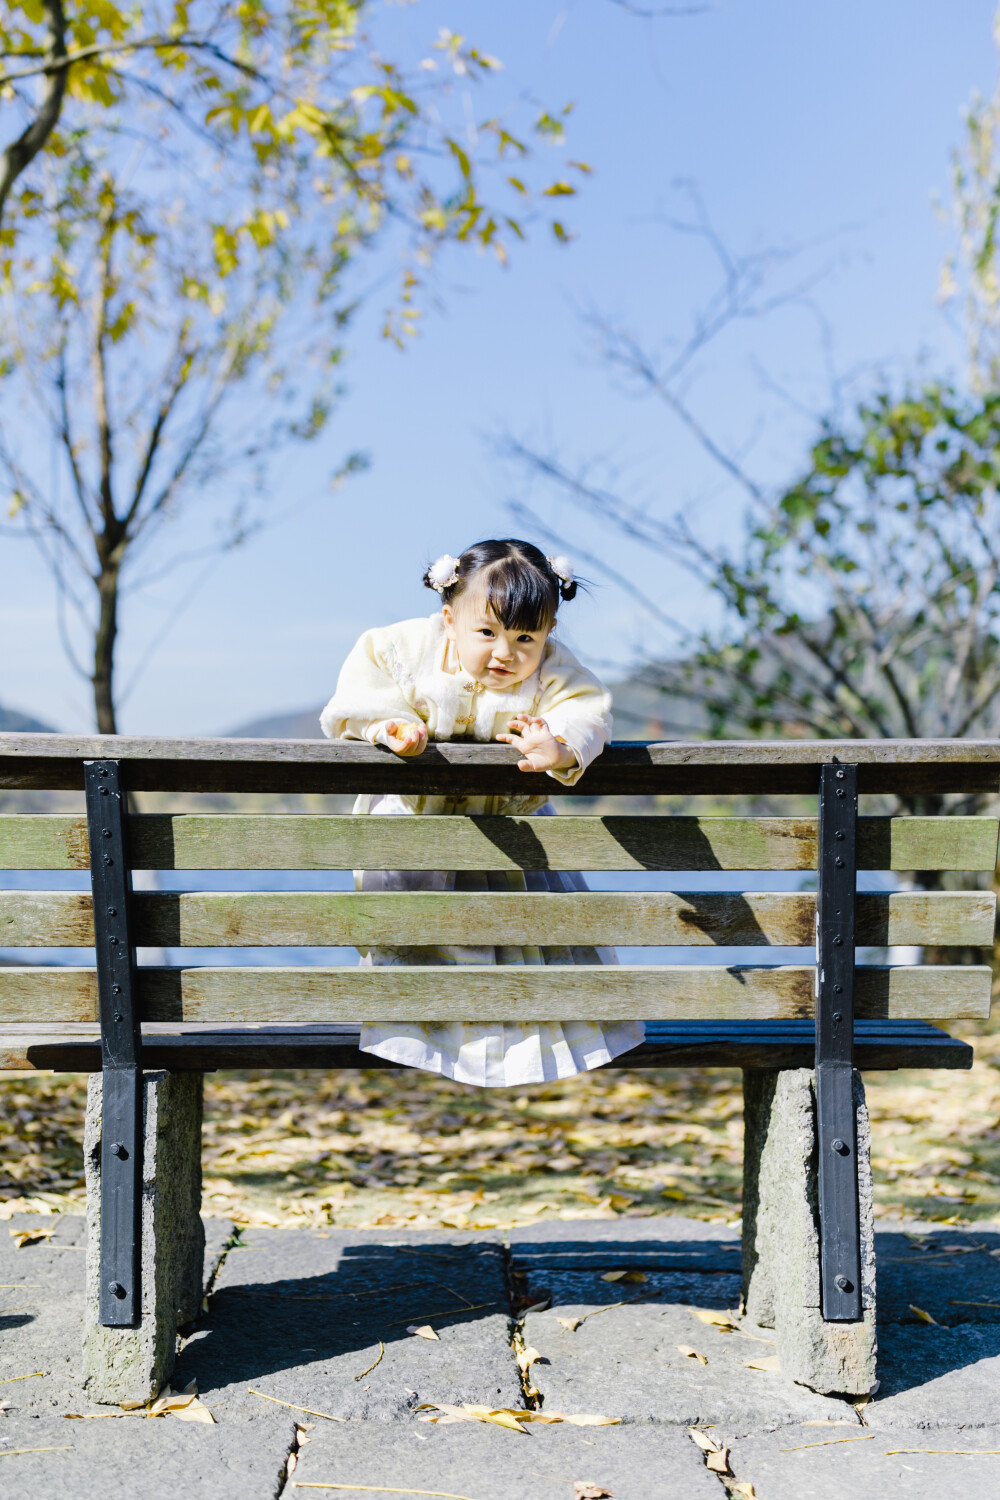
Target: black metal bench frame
(836,1044)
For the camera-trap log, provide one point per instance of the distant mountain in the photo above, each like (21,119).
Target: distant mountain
(303,725)
(12,722)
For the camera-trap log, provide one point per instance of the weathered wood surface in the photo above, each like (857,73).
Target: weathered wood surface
(250,919)
(706,1044)
(192,841)
(715,767)
(486,993)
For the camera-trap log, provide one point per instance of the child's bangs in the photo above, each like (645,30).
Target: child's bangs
(520,597)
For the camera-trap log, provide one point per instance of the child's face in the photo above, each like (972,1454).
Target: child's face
(489,652)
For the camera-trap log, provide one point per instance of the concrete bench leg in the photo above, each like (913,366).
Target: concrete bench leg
(131,1364)
(781,1268)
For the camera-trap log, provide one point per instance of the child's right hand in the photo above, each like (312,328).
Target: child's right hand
(406,739)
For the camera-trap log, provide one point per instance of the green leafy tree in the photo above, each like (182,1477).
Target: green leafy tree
(863,598)
(187,199)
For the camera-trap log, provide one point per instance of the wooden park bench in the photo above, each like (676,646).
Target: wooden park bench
(801,1032)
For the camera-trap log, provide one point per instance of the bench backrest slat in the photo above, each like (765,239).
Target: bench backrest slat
(550,992)
(289,919)
(277,842)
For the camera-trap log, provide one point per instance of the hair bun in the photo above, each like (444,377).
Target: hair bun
(563,569)
(443,573)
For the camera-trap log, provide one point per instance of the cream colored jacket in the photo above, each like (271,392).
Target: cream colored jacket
(410,672)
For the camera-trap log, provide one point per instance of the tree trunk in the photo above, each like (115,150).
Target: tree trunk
(104,651)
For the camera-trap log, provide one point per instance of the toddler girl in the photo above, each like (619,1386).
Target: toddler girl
(486,667)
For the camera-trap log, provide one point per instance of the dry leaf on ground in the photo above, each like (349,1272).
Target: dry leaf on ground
(423,1331)
(583,1489)
(512,1417)
(13,1452)
(24,1237)
(570,1324)
(723,1321)
(185,1405)
(292,1406)
(375,1364)
(716,1456)
(746,1489)
(769,1362)
(624,1276)
(377,1489)
(468,1412)
(925,1316)
(526,1358)
(868,1437)
(690,1353)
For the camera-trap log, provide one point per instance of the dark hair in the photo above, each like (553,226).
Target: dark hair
(522,589)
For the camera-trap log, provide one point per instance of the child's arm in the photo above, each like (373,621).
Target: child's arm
(369,704)
(541,750)
(575,709)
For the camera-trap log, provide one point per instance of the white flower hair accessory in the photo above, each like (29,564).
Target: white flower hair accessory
(443,573)
(562,568)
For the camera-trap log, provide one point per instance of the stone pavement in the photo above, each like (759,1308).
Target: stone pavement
(301,1316)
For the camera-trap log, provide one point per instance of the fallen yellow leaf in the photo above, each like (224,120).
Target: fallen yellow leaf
(583,1489)
(423,1331)
(718,1462)
(292,1406)
(746,1489)
(195,1411)
(705,1443)
(375,1364)
(719,1320)
(29,1236)
(468,1412)
(608,1275)
(376,1489)
(769,1362)
(958,1452)
(12,1452)
(570,1324)
(925,1316)
(526,1358)
(690,1353)
(868,1437)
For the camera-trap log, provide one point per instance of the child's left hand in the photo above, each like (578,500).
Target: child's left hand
(538,745)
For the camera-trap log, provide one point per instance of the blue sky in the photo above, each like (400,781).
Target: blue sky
(825,128)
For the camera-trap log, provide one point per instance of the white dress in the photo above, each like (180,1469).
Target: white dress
(410,672)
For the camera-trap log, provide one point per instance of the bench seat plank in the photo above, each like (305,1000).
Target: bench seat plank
(706,1044)
(248,919)
(192,841)
(546,992)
